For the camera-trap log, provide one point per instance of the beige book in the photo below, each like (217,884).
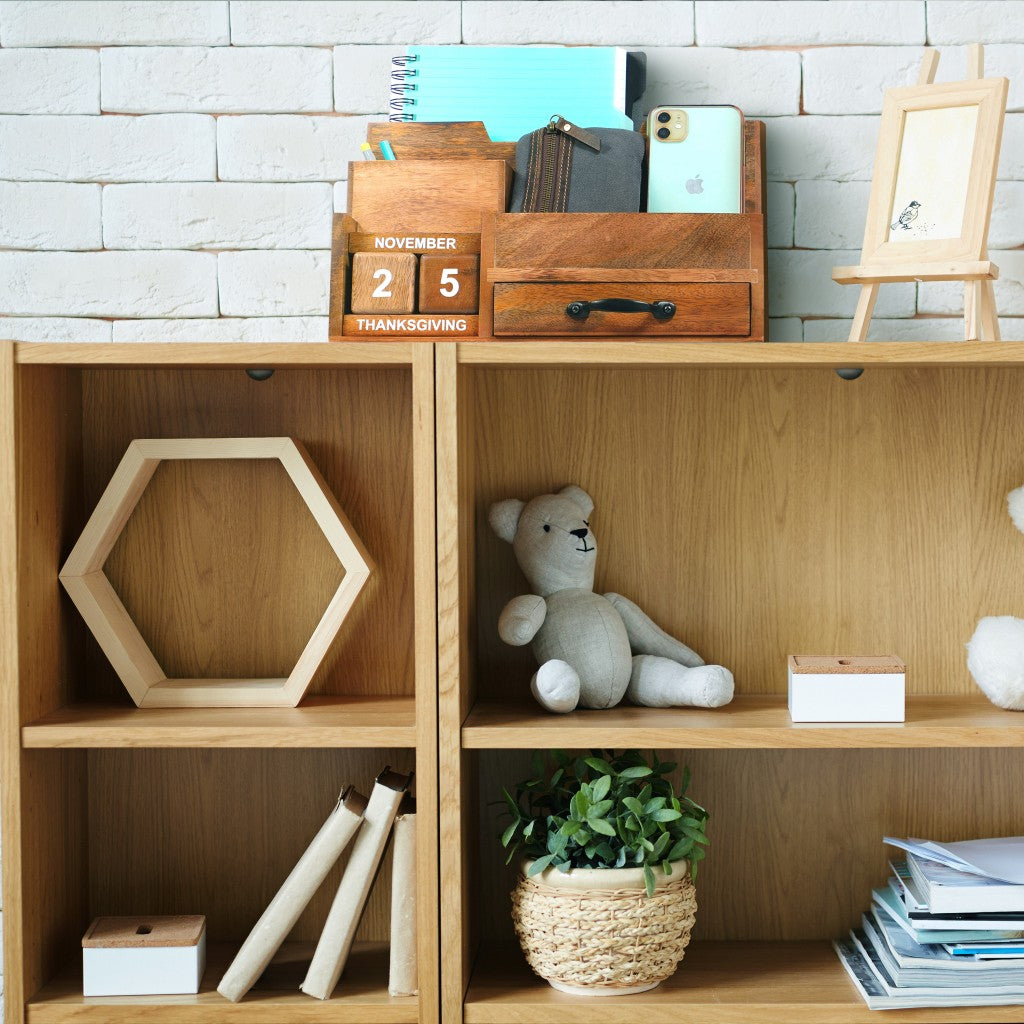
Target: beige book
(402,979)
(336,940)
(291,899)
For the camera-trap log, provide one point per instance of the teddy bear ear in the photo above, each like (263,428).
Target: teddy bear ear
(1015,502)
(504,517)
(580,497)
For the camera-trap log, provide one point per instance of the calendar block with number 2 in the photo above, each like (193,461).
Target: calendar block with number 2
(383,282)
(449,284)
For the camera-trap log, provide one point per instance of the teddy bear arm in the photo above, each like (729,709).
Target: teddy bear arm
(646,637)
(521,619)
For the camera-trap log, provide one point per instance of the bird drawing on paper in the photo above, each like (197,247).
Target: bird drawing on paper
(907,216)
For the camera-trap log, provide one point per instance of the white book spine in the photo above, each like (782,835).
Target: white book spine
(292,898)
(336,940)
(402,978)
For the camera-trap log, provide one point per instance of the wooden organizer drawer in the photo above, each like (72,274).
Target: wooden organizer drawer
(702,308)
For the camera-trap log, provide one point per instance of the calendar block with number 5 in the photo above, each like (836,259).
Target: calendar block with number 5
(383,282)
(449,284)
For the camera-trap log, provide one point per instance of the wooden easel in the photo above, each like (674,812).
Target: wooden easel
(980,318)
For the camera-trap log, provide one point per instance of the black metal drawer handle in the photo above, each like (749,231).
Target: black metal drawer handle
(580,310)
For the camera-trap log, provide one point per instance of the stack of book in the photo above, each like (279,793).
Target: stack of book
(947,930)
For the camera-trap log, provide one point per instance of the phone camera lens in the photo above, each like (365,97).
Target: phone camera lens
(664,117)
(663,133)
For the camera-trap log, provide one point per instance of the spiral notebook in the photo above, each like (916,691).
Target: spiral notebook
(516,89)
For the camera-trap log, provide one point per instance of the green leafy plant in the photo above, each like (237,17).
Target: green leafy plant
(613,811)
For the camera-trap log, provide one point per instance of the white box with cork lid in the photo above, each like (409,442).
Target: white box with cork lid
(144,956)
(833,688)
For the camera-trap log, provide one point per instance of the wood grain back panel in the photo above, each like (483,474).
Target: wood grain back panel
(759,513)
(357,427)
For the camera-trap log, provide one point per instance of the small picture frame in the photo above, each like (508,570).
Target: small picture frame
(935,169)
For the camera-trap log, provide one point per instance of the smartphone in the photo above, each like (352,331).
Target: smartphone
(695,160)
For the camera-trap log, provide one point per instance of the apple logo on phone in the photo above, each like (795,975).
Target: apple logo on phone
(695,186)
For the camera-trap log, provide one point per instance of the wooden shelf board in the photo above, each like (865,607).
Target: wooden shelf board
(717,983)
(559,352)
(337,354)
(760,722)
(317,722)
(362,995)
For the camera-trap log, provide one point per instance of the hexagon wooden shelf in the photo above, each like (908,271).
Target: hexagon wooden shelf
(108,619)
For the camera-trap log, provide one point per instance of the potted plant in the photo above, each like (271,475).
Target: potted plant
(605,902)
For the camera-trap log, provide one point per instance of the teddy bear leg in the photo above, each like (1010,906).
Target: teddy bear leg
(556,686)
(663,683)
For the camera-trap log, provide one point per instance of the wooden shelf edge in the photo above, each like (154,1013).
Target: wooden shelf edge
(717,983)
(833,355)
(760,722)
(319,722)
(352,354)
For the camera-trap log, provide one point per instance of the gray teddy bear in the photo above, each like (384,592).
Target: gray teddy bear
(592,650)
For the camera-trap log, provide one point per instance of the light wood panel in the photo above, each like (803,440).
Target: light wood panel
(758,513)
(717,983)
(749,721)
(361,996)
(349,354)
(796,835)
(216,832)
(357,427)
(318,722)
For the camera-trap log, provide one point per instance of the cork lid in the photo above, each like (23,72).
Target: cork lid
(843,664)
(139,932)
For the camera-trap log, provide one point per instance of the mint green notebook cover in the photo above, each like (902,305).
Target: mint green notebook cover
(515,89)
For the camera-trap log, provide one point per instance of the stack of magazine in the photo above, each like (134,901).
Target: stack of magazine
(947,930)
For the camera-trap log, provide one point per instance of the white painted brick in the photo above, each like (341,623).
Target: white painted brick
(800,284)
(268,329)
(362,78)
(269,22)
(120,22)
(158,79)
(54,328)
(1011,154)
(49,215)
(163,147)
(853,79)
(948,296)
(960,21)
(809,22)
(759,82)
(789,328)
(223,215)
(274,283)
(831,214)
(1006,229)
(284,148)
(49,82)
(615,23)
(920,329)
(835,148)
(170,284)
(341,197)
(781,198)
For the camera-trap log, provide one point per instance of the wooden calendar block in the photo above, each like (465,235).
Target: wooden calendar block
(449,284)
(383,282)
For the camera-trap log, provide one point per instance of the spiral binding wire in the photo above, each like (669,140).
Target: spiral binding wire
(401,88)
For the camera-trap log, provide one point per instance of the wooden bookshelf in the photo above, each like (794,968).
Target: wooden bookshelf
(755,505)
(113,809)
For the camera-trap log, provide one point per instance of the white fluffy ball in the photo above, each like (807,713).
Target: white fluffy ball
(995,655)
(1015,502)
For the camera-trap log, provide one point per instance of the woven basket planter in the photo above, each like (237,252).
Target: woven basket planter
(596,931)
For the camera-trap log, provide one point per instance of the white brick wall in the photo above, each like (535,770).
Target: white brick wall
(168,168)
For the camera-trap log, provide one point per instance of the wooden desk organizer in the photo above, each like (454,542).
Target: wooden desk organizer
(540,273)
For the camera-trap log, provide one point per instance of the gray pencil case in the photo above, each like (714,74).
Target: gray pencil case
(562,168)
